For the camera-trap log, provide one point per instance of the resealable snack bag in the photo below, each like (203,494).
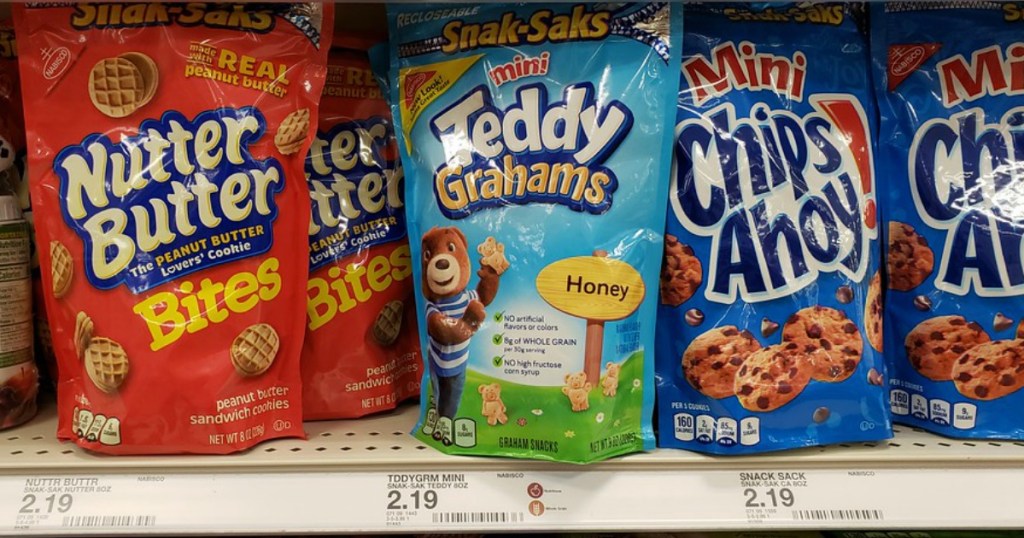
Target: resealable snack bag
(535,142)
(770,316)
(951,144)
(361,353)
(166,152)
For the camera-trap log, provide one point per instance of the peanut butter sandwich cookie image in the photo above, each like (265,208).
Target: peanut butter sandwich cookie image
(292,132)
(62,269)
(254,350)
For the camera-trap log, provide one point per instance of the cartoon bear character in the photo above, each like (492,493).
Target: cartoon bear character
(610,382)
(453,313)
(577,388)
(493,409)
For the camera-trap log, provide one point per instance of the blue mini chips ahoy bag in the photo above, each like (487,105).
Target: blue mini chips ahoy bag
(769,326)
(953,146)
(536,144)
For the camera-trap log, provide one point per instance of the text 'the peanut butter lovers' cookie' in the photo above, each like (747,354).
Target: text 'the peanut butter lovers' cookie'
(535,143)
(166,150)
(770,310)
(950,142)
(362,350)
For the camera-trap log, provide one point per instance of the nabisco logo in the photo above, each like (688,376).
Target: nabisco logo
(989,72)
(414,82)
(55,62)
(742,68)
(906,60)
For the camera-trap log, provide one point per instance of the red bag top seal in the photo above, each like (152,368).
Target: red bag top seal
(166,149)
(361,353)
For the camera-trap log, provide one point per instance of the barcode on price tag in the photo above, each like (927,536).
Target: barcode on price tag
(108,521)
(478,517)
(838,515)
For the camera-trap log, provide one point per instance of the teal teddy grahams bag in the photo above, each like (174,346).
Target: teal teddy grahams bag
(536,141)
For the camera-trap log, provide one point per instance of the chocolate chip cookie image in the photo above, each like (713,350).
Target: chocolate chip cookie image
(771,378)
(910,260)
(935,344)
(873,312)
(681,272)
(990,370)
(832,343)
(711,360)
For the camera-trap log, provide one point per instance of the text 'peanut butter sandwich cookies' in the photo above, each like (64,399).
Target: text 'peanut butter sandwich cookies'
(770,320)
(166,149)
(535,156)
(952,144)
(362,350)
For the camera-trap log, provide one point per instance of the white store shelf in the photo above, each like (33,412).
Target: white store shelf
(338,480)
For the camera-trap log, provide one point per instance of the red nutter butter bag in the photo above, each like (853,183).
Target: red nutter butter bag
(361,353)
(166,149)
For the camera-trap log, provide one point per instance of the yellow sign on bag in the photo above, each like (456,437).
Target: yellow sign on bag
(592,287)
(420,86)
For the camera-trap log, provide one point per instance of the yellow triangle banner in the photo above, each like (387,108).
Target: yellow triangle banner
(420,86)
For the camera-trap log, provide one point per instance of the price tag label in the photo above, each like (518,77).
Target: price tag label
(74,502)
(471,500)
(627,499)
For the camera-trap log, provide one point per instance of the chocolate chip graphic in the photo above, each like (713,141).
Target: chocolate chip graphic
(768,327)
(844,294)
(1001,322)
(821,414)
(763,402)
(736,361)
(814,331)
(730,332)
(874,377)
(922,303)
(1007,380)
(694,317)
(746,390)
(981,391)
(786,388)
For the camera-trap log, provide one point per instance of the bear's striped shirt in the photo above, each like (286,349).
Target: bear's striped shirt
(450,360)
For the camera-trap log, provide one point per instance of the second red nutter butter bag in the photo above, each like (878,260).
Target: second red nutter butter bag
(361,353)
(166,150)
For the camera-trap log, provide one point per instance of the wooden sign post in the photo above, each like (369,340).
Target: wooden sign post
(595,288)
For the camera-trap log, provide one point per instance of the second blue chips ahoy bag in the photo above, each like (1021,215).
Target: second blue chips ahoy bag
(769,331)
(952,141)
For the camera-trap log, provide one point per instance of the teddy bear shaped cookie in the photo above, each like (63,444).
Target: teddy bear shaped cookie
(493,255)
(577,388)
(610,381)
(493,408)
